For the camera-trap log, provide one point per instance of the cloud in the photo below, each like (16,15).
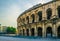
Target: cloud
(40,1)
(28,4)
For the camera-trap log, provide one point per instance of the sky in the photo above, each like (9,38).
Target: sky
(11,9)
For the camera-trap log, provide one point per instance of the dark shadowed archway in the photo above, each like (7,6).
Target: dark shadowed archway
(27,32)
(49,32)
(27,18)
(33,18)
(39,31)
(58,31)
(49,13)
(32,32)
(58,9)
(40,15)
(23,32)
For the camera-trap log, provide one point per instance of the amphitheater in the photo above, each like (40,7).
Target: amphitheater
(40,20)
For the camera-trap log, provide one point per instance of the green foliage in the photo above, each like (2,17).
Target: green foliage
(11,30)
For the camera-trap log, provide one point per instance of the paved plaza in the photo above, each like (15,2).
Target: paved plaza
(3,38)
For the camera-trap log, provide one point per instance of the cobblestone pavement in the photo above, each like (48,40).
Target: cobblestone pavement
(3,38)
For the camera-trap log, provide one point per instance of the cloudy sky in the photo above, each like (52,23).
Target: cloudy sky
(11,9)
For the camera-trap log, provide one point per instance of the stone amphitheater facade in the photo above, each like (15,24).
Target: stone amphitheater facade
(40,20)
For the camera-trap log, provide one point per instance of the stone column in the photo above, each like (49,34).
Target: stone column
(43,31)
(35,31)
(22,32)
(54,31)
(29,31)
(18,31)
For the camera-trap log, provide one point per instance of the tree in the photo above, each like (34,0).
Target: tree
(8,29)
(11,30)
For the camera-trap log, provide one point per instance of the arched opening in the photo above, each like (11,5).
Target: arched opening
(49,13)
(49,32)
(58,31)
(32,32)
(33,18)
(23,32)
(23,20)
(27,18)
(58,11)
(39,31)
(27,32)
(40,15)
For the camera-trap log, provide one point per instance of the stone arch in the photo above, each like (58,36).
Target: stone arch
(48,25)
(58,9)
(49,31)
(32,32)
(27,32)
(33,18)
(40,15)
(49,13)
(39,30)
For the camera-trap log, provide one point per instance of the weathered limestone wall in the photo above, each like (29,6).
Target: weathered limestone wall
(43,24)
